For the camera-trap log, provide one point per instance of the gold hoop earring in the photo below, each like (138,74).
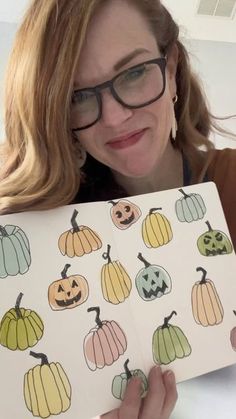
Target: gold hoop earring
(174,127)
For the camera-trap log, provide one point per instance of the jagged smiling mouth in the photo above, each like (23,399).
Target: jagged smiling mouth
(128,220)
(66,303)
(215,252)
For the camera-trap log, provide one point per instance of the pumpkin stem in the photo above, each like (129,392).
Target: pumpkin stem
(127,371)
(106,256)
(203,281)
(97,320)
(140,257)
(112,202)
(184,193)
(154,209)
(74,223)
(43,357)
(209,226)
(3,231)
(167,319)
(17,305)
(234,311)
(64,272)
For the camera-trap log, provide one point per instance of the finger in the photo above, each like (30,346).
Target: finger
(132,400)
(154,400)
(171,394)
(114,414)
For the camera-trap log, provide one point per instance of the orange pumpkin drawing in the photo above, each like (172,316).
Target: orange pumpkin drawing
(124,213)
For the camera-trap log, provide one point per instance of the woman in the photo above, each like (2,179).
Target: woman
(101,103)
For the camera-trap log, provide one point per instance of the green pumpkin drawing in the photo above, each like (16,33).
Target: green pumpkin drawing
(190,207)
(169,342)
(120,382)
(14,251)
(152,281)
(214,242)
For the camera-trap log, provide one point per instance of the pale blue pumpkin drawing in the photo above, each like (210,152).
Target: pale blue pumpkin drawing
(190,207)
(15,255)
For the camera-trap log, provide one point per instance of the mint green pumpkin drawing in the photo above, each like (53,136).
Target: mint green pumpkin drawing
(120,382)
(190,207)
(15,255)
(214,242)
(152,281)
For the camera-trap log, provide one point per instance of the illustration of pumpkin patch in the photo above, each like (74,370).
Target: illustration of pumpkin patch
(68,292)
(214,242)
(47,390)
(15,255)
(120,382)
(169,342)
(116,283)
(206,304)
(79,240)
(104,344)
(124,213)
(20,328)
(152,281)
(156,229)
(233,335)
(190,207)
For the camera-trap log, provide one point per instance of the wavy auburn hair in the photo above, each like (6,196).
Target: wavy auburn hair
(39,165)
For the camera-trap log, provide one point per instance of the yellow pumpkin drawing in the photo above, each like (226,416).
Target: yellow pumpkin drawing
(156,229)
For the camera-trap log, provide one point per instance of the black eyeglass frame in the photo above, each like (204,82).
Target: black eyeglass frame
(160,61)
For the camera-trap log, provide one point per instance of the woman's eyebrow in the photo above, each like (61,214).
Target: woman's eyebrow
(123,61)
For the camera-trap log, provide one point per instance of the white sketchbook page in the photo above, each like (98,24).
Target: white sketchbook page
(64,331)
(211,347)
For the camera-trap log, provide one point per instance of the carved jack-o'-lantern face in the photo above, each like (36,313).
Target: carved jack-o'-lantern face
(214,242)
(68,292)
(124,213)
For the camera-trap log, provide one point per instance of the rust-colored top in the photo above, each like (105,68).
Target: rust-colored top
(222,171)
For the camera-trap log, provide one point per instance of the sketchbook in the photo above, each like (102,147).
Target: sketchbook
(92,294)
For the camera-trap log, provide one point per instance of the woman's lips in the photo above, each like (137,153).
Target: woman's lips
(127,140)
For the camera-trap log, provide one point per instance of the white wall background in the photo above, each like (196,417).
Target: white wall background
(214,61)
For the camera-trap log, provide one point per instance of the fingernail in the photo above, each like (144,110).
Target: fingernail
(170,375)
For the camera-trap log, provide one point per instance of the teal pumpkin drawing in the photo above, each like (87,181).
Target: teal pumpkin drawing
(169,343)
(121,381)
(15,255)
(20,328)
(190,207)
(152,281)
(214,242)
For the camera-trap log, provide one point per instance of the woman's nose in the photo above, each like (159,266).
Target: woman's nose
(113,113)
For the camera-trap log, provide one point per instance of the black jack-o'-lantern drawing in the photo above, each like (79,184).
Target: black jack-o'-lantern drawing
(124,213)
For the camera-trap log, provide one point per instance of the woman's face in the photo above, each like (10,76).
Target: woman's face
(117,31)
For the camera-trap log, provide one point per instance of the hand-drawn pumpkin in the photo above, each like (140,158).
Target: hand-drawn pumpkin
(104,344)
(116,283)
(79,240)
(233,335)
(20,328)
(120,382)
(124,213)
(156,229)
(15,255)
(214,242)
(152,281)
(190,207)
(206,304)
(68,292)
(47,390)
(169,342)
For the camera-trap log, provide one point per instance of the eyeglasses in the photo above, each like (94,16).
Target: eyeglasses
(136,87)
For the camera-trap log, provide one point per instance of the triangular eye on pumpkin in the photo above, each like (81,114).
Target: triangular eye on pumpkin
(214,242)
(206,304)
(169,342)
(116,283)
(20,328)
(15,257)
(233,335)
(156,229)
(104,344)
(124,213)
(190,207)
(68,292)
(153,281)
(47,390)
(120,382)
(79,240)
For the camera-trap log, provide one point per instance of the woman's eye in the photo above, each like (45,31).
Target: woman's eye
(135,73)
(81,97)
